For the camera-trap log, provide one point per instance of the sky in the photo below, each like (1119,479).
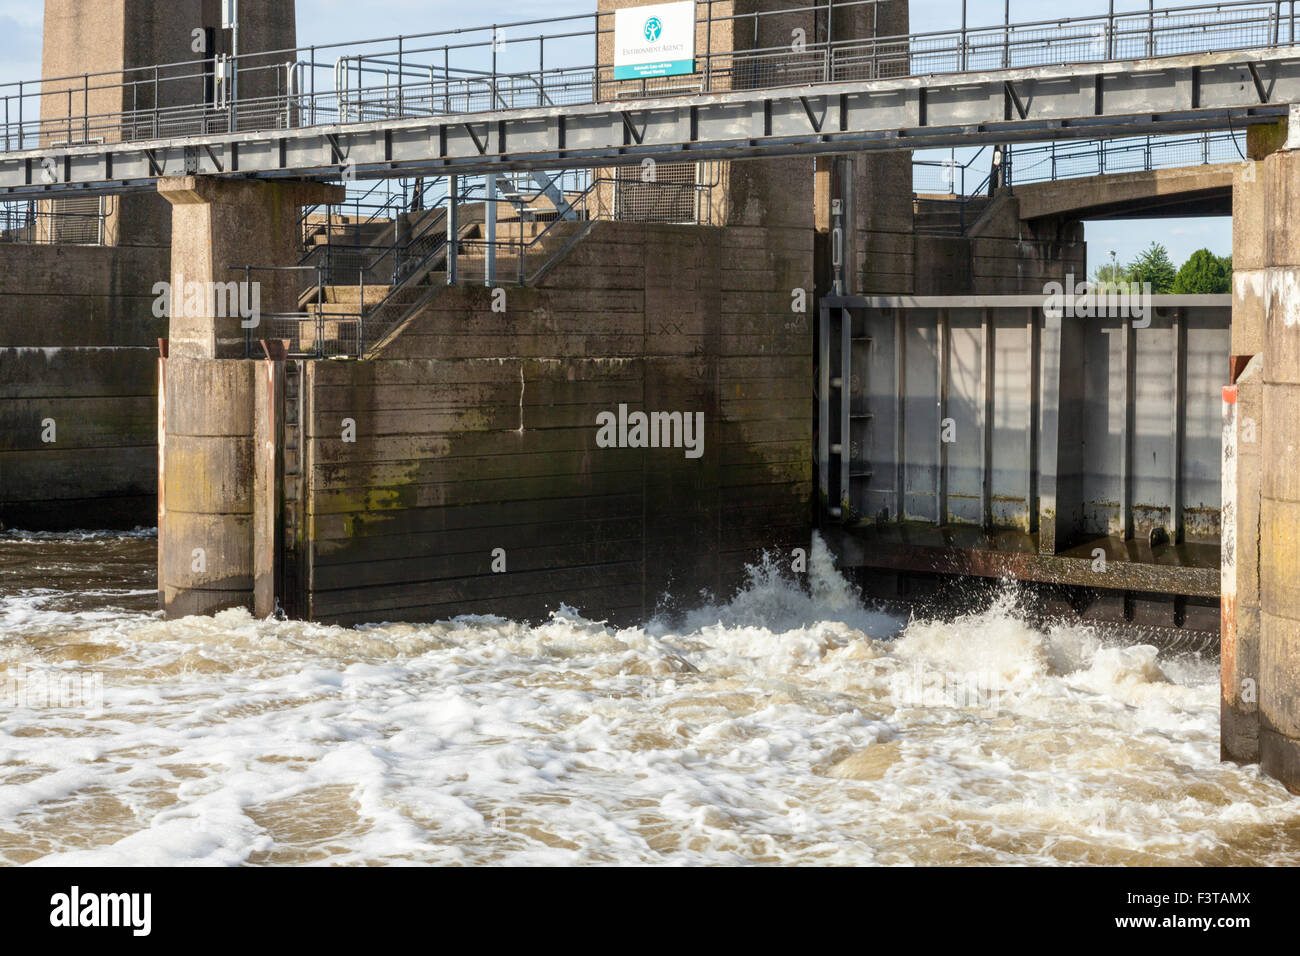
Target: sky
(329,21)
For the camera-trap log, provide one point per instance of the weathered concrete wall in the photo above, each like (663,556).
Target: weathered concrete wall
(79,296)
(79,443)
(78,346)
(1002,254)
(1266,259)
(476,430)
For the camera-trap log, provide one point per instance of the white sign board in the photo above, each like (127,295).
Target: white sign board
(657,40)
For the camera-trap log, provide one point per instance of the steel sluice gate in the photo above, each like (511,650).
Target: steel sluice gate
(1002,436)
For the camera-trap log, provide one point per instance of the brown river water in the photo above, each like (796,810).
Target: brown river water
(788,725)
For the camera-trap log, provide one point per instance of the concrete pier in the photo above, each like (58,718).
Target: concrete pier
(1261,629)
(212,397)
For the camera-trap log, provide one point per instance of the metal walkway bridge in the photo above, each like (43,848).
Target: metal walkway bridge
(439,103)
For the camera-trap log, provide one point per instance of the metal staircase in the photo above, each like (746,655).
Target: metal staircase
(374,263)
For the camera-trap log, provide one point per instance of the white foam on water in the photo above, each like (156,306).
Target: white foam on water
(787,725)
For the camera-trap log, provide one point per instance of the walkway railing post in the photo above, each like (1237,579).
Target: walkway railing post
(961,53)
(1110,32)
(490,217)
(830,33)
(320,296)
(453,226)
(708,49)
(1006,34)
(247,291)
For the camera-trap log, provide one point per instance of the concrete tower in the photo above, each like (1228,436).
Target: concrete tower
(126,39)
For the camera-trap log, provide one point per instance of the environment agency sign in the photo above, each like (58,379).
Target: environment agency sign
(657,40)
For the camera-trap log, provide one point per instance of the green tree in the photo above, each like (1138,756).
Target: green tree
(1204,273)
(1111,276)
(1153,266)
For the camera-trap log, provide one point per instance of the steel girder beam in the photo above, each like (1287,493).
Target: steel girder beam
(1085,101)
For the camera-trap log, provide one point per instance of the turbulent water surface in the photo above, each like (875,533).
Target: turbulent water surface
(786,726)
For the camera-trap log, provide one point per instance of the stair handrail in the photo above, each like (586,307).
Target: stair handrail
(356,202)
(381,329)
(589,206)
(586,215)
(417,230)
(412,274)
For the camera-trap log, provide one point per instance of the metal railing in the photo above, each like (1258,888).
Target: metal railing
(949,176)
(1068,160)
(513,259)
(604,198)
(78,220)
(941,185)
(320,330)
(460,71)
(954,214)
(1072,159)
(383,199)
(406,241)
